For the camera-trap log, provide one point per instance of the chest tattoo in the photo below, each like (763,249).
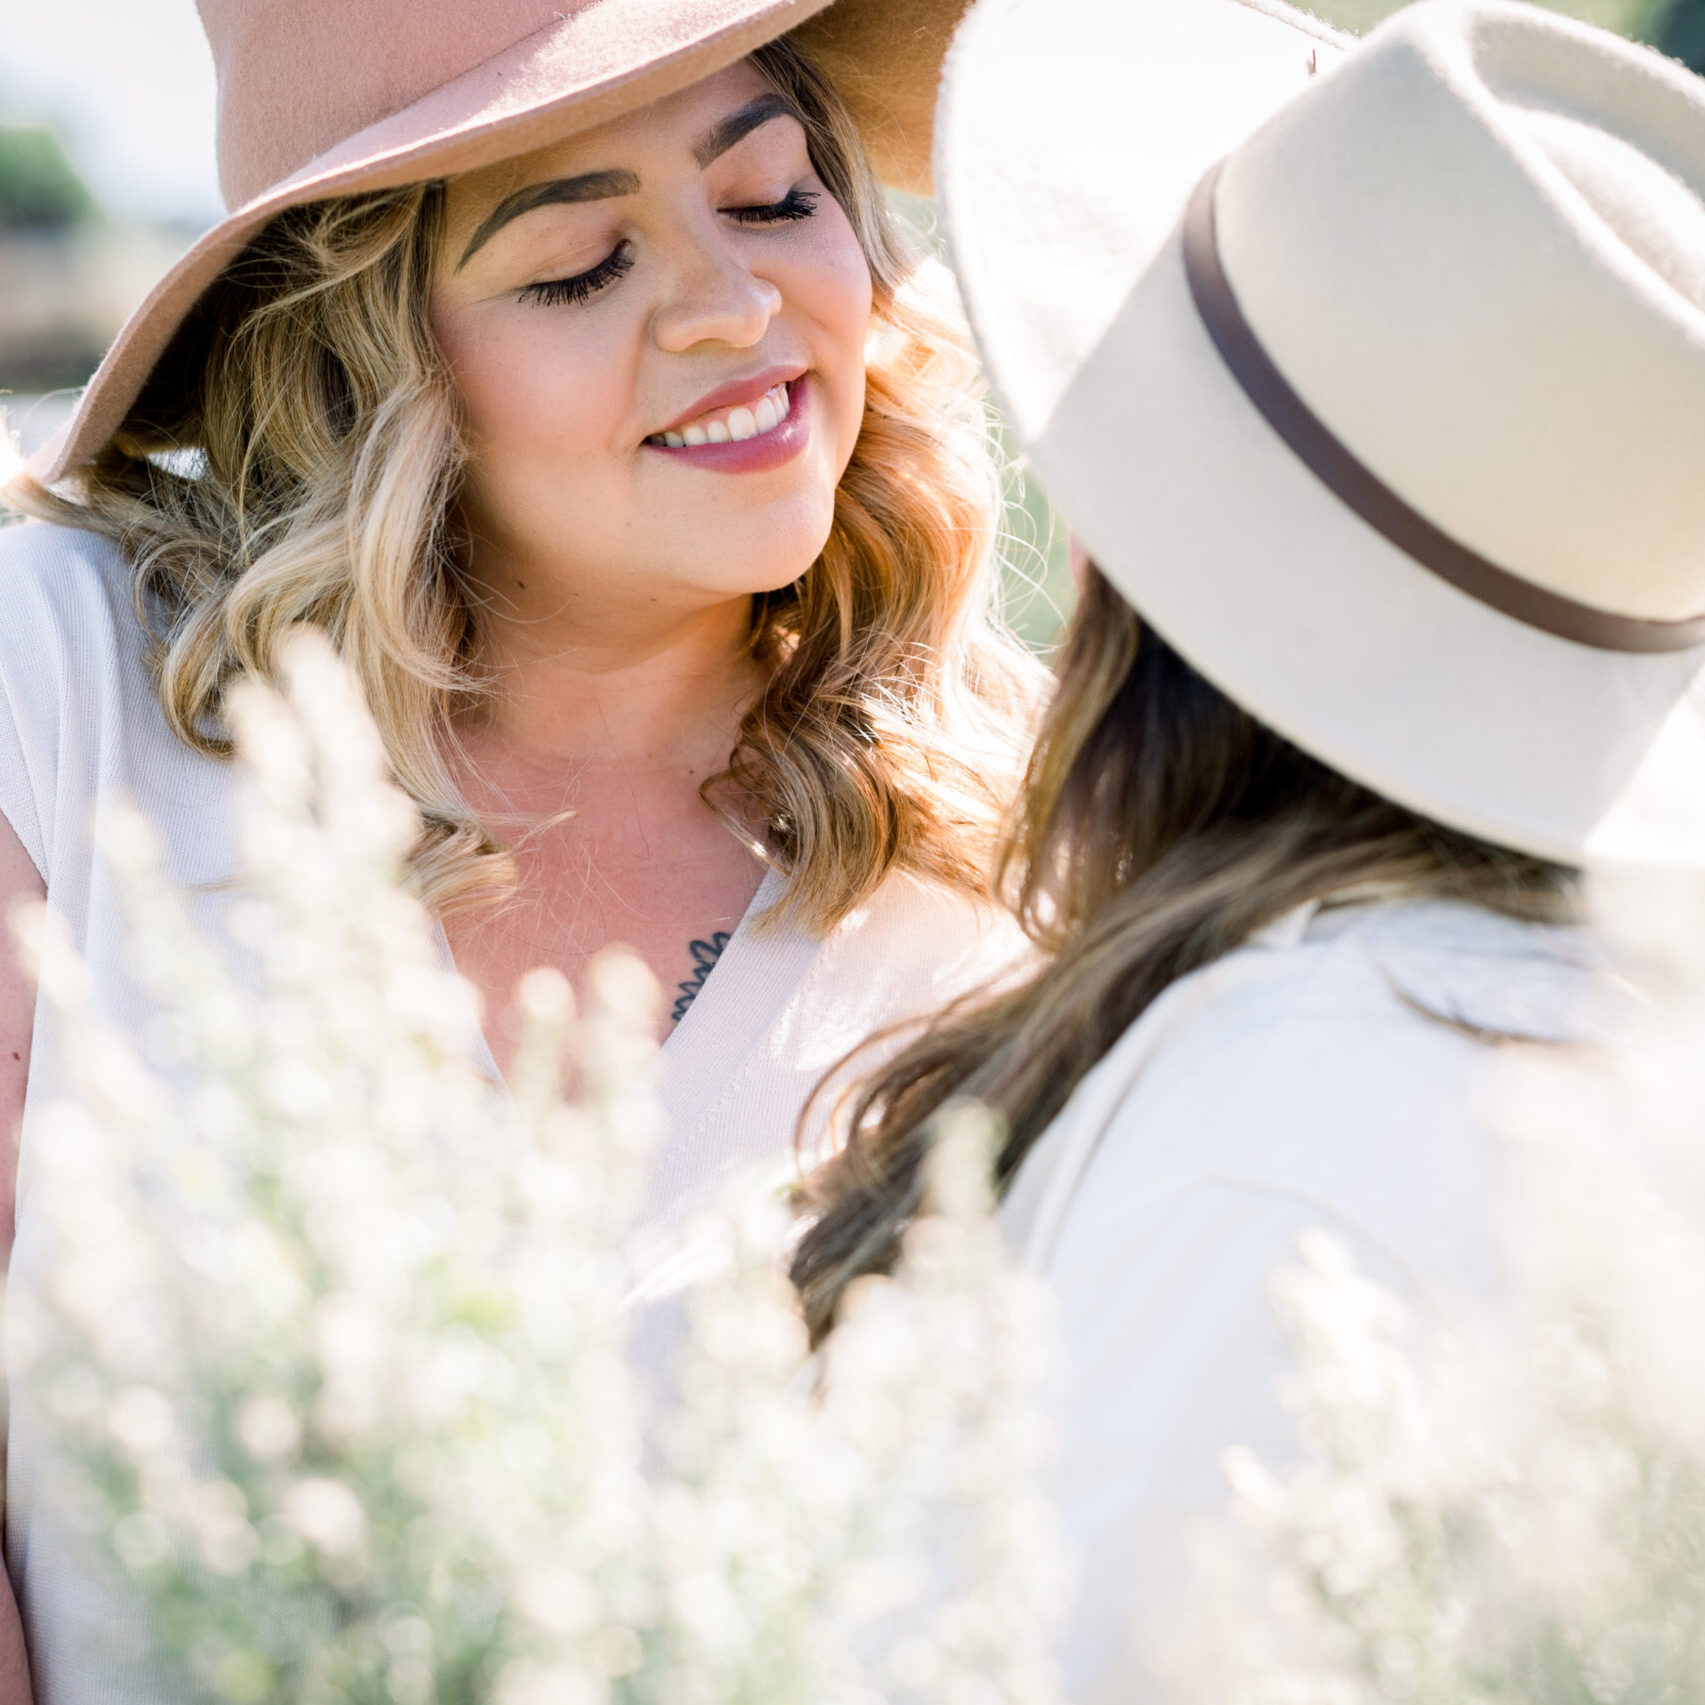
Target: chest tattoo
(705,955)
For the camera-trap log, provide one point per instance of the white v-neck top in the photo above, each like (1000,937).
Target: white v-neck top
(784,1007)
(80,727)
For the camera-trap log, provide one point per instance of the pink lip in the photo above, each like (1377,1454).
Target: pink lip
(735,394)
(768,450)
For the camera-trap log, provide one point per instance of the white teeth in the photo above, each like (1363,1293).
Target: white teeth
(738,424)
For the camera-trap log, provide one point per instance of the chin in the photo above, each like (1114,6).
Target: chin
(766,559)
(751,578)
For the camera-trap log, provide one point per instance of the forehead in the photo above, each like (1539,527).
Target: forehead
(670,125)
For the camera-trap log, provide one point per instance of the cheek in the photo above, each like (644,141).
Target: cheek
(831,287)
(534,393)
(844,291)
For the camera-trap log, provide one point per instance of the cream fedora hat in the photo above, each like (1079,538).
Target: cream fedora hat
(326,97)
(1373,374)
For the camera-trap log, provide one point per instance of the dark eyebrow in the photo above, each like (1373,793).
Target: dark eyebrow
(590,186)
(739,125)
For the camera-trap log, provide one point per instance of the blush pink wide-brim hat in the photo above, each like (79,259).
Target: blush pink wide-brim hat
(1372,374)
(320,98)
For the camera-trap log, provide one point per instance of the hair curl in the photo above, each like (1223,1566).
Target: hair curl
(295,458)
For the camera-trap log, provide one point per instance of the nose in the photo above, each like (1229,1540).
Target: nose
(716,298)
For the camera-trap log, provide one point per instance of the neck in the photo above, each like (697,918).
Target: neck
(629,688)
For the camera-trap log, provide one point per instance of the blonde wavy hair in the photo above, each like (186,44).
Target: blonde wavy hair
(296,459)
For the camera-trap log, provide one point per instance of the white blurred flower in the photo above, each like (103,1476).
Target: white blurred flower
(1508,1505)
(334,1340)
(328,1515)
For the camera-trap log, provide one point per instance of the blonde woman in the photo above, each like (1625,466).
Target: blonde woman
(564,364)
(1377,396)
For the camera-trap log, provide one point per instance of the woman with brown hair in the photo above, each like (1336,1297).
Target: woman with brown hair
(564,364)
(1372,379)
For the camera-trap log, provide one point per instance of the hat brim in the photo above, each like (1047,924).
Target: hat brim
(582,71)
(1062,212)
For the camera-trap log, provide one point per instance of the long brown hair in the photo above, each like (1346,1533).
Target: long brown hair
(1161,826)
(296,457)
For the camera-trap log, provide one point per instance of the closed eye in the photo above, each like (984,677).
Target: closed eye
(796,204)
(559,292)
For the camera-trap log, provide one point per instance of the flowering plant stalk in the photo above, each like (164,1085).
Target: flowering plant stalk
(334,1341)
(881,1532)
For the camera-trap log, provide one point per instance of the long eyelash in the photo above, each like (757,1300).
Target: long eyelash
(796,204)
(559,292)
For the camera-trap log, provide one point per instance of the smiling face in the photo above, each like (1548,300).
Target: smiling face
(656,330)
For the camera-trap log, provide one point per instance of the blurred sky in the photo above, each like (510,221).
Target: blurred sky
(129,85)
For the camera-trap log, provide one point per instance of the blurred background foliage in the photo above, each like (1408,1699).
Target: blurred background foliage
(1637,18)
(74,261)
(39,187)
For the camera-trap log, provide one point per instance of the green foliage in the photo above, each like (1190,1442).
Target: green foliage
(1677,27)
(39,190)
(1038,594)
(1626,17)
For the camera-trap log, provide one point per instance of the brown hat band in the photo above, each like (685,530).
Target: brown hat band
(1362,490)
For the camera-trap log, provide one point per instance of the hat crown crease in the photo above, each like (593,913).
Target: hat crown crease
(1207,519)
(1641,204)
(1443,379)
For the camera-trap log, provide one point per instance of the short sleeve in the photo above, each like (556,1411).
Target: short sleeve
(80,720)
(35,563)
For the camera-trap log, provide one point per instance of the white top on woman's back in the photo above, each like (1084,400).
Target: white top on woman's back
(1326,1075)
(80,726)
